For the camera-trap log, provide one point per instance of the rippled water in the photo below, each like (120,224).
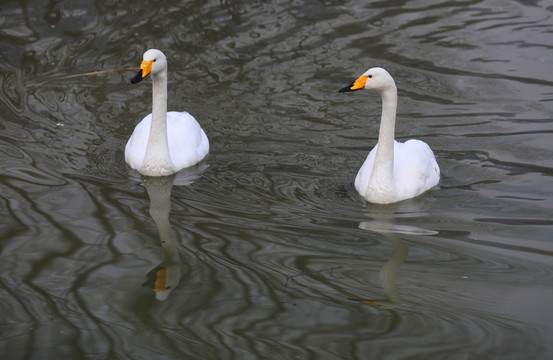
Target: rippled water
(269,252)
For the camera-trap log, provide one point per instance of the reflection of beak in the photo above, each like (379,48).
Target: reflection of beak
(161,280)
(145,69)
(157,279)
(356,85)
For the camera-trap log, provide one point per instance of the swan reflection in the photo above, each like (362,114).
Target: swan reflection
(166,276)
(383,223)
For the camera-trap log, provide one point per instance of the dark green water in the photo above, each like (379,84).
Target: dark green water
(270,247)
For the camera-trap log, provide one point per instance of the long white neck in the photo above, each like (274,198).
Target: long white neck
(157,160)
(382,172)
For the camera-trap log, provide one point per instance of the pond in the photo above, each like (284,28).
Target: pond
(266,248)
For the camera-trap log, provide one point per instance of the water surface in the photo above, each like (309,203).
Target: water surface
(271,251)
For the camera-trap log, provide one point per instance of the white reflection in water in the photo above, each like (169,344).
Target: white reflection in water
(474,84)
(165,277)
(383,223)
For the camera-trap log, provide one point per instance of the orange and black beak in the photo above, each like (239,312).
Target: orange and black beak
(356,85)
(145,69)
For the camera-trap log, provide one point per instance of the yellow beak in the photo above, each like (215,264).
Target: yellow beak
(356,85)
(359,83)
(146,67)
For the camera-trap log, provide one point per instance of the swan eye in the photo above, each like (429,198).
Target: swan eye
(370,76)
(155,60)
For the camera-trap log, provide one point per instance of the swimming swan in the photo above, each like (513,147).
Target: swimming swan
(393,171)
(163,142)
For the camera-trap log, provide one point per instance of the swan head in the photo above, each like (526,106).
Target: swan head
(373,79)
(153,62)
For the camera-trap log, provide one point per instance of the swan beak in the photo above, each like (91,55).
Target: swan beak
(356,85)
(145,69)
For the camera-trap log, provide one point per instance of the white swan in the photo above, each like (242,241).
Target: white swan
(163,142)
(393,171)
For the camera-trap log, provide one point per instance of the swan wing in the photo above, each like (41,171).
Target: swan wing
(364,175)
(415,168)
(135,150)
(188,143)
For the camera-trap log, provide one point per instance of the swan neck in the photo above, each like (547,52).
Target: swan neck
(388,118)
(384,159)
(157,151)
(158,131)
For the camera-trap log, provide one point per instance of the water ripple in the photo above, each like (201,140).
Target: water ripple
(268,239)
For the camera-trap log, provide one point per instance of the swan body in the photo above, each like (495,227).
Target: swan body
(163,142)
(393,171)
